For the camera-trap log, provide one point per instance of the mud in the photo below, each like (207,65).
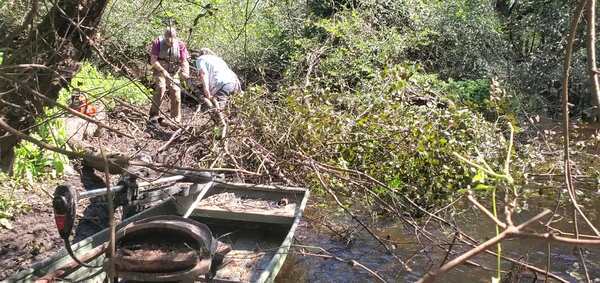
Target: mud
(31,239)
(34,237)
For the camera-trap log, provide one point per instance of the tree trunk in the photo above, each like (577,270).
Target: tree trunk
(505,7)
(45,62)
(591,52)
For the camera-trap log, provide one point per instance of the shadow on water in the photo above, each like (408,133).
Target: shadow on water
(564,258)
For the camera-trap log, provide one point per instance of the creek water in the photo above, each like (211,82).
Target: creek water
(420,254)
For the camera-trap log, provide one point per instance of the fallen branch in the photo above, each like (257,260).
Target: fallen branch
(325,254)
(131,108)
(158,166)
(508,232)
(174,137)
(565,109)
(77,113)
(117,163)
(468,239)
(484,210)
(406,267)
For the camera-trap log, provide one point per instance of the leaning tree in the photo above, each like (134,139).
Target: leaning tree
(40,60)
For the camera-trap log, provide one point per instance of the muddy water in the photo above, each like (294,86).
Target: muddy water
(421,257)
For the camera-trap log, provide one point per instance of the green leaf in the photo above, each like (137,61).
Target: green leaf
(480,177)
(482,187)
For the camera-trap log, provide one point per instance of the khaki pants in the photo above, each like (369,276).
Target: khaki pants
(163,85)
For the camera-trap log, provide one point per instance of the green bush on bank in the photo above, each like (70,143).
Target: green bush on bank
(351,98)
(104,87)
(380,132)
(32,162)
(9,204)
(348,52)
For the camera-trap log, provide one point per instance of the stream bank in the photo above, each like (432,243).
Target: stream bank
(33,236)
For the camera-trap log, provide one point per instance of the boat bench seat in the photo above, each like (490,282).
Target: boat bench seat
(248,204)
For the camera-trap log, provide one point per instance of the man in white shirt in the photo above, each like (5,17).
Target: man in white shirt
(218,81)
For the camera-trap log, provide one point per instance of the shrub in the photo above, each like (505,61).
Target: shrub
(461,39)
(379,132)
(103,86)
(32,162)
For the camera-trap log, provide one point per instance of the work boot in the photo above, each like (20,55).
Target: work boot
(154,120)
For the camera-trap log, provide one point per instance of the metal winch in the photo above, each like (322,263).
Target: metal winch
(168,266)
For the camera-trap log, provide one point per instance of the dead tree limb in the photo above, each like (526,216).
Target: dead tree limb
(508,232)
(327,255)
(173,138)
(466,239)
(117,162)
(591,54)
(406,267)
(565,109)
(565,106)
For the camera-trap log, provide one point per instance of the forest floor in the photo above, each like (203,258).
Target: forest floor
(32,236)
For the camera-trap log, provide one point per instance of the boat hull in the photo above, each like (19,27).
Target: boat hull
(260,238)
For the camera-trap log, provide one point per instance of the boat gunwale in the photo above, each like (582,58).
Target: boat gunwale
(269,274)
(55,262)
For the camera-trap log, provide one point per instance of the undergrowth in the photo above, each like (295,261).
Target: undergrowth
(380,132)
(363,106)
(32,162)
(104,87)
(10,205)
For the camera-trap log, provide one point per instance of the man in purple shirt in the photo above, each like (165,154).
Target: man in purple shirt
(168,57)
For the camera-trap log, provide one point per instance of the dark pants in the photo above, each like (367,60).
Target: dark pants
(222,95)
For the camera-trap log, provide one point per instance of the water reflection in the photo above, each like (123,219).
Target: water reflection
(564,258)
